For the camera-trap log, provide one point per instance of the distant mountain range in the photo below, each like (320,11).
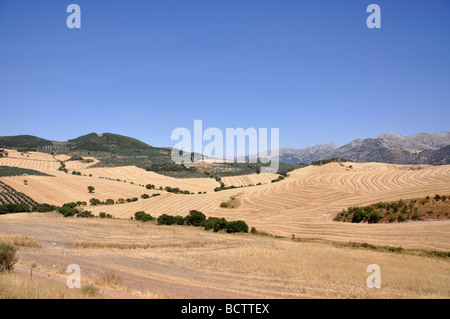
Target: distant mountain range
(390,147)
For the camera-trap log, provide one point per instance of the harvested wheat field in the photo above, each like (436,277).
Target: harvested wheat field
(64,188)
(251,179)
(143,177)
(150,261)
(305,203)
(31,160)
(315,258)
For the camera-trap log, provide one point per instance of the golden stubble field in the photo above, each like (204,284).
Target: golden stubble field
(186,262)
(303,205)
(179,261)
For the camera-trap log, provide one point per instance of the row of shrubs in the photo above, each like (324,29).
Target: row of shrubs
(176,190)
(332,160)
(96,201)
(42,208)
(109,201)
(223,187)
(196,219)
(280,178)
(358,215)
(391,212)
(73,209)
(22,208)
(169,189)
(145,196)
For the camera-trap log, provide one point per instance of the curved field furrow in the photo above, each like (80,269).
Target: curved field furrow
(251,179)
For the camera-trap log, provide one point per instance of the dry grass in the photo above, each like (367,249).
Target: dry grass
(108,279)
(316,270)
(111,280)
(22,241)
(130,246)
(20,286)
(232,264)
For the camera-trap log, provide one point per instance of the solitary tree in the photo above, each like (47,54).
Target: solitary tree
(91,189)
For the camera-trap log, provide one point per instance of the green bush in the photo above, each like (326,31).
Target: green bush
(42,208)
(95,201)
(104,215)
(165,219)
(178,220)
(238,226)
(341,216)
(195,218)
(145,196)
(71,205)
(358,214)
(374,217)
(109,202)
(215,223)
(85,214)
(7,257)
(13,208)
(143,217)
(67,211)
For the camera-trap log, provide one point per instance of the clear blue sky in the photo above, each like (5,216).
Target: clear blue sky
(142,68)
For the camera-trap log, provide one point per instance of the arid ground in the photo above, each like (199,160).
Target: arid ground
(314,258)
